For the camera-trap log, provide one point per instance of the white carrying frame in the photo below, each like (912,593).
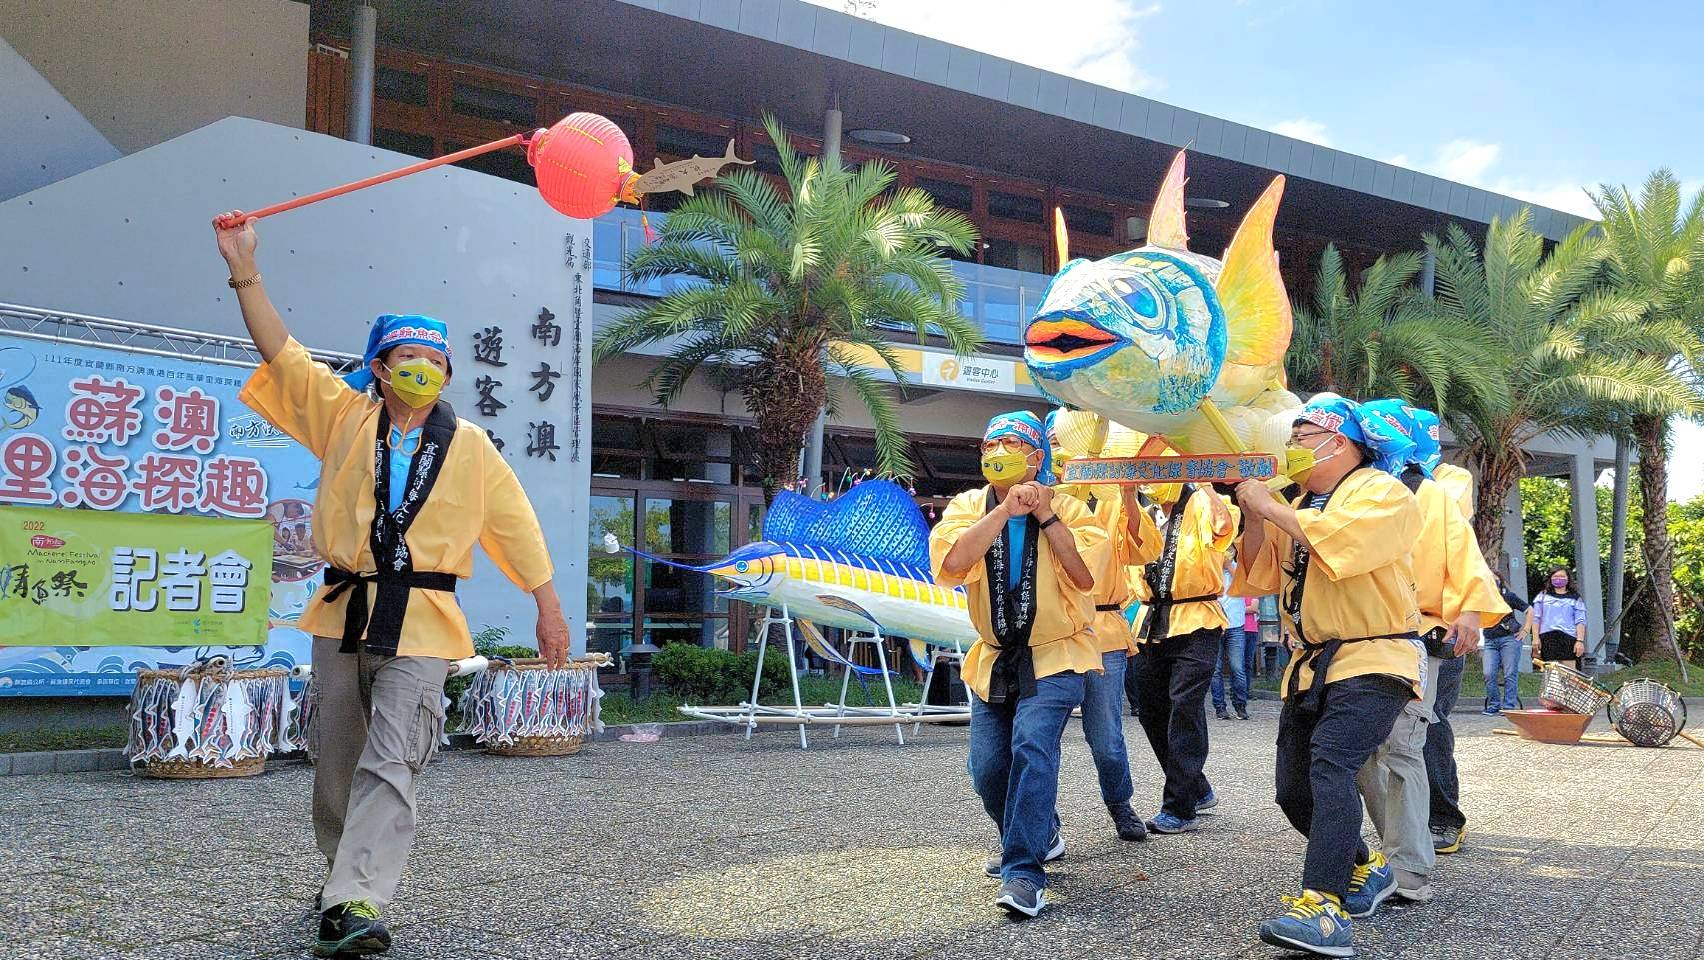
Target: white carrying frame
(750,714)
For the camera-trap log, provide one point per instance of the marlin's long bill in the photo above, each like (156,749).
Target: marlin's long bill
(644,554)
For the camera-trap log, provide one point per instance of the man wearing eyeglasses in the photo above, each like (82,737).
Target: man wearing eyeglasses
(1024,554)
(1340,557)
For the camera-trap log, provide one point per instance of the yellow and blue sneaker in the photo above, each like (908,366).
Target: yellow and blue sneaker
(1315,924)
(1370,884)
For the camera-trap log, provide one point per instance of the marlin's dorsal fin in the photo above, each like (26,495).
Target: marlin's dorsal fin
(1061,240)
(1251,290)
(1165,222)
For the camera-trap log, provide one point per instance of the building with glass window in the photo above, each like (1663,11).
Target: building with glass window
(1000,141)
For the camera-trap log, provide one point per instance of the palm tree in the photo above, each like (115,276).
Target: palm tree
(796,286)
(1385,338)
(1574,352)
(1656,251)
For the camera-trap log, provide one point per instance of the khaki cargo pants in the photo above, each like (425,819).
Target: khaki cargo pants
(1393,783)
(375,725)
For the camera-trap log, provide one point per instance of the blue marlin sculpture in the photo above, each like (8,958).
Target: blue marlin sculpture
(1161,339)
(858,561)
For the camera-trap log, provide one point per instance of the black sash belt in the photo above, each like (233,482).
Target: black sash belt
(383,624)
(1319,656)
(1159,611)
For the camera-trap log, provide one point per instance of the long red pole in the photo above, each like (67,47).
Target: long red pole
(519,138)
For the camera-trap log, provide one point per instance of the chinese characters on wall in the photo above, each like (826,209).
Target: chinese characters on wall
(544,340)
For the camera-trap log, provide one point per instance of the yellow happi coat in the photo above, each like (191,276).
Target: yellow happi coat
(1112,582)
(1062,638)
(476,499)
(1200,568)
(1451,577)
(1360,580)
(1458,482)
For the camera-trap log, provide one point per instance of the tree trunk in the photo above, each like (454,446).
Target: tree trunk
(783,393)
(1652,435)
(1498,474)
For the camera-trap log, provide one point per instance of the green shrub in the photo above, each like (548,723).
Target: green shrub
(700,675)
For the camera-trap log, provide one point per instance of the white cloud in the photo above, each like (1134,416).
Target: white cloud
(1475,163)
(1465,161)
(1092,40)
(1567,197)
(1303,128)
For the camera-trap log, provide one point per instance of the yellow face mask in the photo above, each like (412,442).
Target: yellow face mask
(1298,463)
(417,382)
(1003,468)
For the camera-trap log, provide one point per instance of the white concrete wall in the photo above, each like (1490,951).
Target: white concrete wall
(45,138)
(132,240)
(144,71)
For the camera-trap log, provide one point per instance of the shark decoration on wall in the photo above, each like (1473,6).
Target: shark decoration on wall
(857,561)
(680,175)
(1169,342)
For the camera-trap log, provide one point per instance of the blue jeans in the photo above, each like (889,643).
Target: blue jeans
(1239,652)
(1440,750)
(1014,766)
(1103,727)
(1504,652)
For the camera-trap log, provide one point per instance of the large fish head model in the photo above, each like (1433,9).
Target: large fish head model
(1144,337)
(1137,332)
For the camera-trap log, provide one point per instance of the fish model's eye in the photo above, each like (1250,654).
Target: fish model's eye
(1141,300)
(739,566)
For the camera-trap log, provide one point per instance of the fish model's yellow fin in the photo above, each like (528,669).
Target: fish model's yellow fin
(1061,240)
(1165,222)
(1250,288)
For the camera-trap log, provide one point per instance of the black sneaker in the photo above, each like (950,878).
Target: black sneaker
(1018,895)
(1128,824)
(1055,851)
(1220,713)
(1242,713)
(352,928)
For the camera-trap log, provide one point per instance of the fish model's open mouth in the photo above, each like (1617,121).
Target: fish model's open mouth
(1067,340)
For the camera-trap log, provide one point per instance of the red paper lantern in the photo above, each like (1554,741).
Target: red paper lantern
(581,163)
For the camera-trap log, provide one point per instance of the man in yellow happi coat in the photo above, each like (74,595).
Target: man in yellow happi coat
(1178,633)
(1448,823)
(386,623)
(1024,555)
(1072,434)
(1341,558)
(1457,596)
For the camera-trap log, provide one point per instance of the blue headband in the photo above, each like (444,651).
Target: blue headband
(1431,452)
(1391,433)
(396,330)
(1027,427)
(1335,413)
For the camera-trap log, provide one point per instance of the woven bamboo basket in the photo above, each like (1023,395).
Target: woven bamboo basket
(550,745)
(195,768)
(1568,689)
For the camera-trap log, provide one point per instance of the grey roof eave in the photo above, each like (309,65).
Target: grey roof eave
(829,33)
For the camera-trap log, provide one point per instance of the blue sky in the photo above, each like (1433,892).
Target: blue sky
(1534,100)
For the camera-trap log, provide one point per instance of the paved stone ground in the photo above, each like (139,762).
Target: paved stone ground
(714,847)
